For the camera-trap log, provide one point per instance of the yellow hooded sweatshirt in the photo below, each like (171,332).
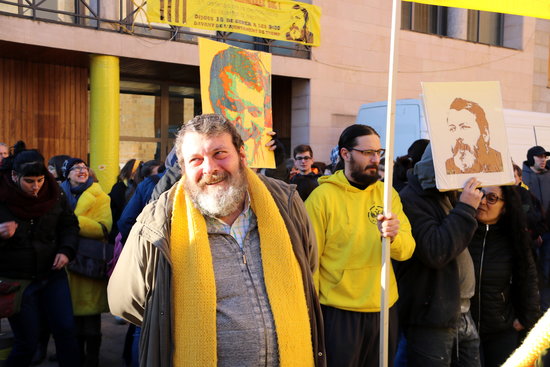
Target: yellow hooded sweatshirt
(349,242)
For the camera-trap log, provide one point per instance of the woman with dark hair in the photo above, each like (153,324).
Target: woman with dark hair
(38,237)
(89,296)
(506,298)
(55,165)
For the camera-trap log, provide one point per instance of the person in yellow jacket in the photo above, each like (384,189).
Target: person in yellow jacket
(92,207)
(346,212)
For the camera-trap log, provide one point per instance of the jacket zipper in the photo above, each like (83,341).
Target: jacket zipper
(257,298)
(479,282)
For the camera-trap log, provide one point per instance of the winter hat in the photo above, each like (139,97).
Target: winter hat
(416,150)
(424,169)
(68,165)
(535,151)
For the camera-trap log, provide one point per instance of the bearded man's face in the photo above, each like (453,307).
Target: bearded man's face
(465,135)
(215,177)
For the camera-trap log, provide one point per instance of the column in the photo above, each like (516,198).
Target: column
(104,118)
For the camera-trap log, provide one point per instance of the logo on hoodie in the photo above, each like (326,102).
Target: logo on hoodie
(374,211)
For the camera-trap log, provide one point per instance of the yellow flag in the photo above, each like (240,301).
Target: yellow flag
(528,8)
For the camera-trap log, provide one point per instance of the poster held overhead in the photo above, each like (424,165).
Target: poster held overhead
(236,83)
(467,132)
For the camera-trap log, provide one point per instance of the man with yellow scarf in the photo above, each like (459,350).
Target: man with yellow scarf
(218,270)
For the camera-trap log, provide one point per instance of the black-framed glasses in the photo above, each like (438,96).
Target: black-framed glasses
(79,168)
(371,152)
(302,158)
(491,198)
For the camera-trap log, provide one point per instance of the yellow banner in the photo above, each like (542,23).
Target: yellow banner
(528,8)
(237,84)
(282,20)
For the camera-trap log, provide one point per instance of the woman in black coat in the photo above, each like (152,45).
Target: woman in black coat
(38,235)
(506,298)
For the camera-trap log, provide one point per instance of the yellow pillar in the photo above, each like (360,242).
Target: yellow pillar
(104,118)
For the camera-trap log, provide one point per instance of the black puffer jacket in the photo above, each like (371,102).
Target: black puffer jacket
(30,252)
(429,291)
(505,290)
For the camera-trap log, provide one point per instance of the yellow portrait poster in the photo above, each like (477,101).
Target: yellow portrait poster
(467,133)
(236,83)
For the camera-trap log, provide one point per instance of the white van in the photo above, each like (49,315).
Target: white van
(524,129)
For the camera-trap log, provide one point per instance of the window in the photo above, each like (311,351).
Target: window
(150,116)
(485,27)
(424,18)
(471,25)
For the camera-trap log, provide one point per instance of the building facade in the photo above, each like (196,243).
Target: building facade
(48,50)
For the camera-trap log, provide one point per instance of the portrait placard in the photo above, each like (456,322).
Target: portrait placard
(467,133)
(236,83)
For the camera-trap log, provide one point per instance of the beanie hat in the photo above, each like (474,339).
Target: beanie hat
(416,150)
(68,165)
(535,151)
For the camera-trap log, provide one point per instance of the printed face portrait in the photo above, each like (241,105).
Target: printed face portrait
(240,90)
(469,137)
(298,30)
(247,107)
(465,135)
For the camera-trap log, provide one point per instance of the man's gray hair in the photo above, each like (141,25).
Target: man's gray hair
(212,124)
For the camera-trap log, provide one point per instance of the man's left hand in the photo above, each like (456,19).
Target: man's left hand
(388,225)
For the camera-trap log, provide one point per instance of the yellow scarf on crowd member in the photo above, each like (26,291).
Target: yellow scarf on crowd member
(194,284)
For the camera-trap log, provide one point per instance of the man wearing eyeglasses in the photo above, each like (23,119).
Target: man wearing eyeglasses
(305,180)
(346,211)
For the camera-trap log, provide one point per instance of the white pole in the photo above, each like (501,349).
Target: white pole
(390,119)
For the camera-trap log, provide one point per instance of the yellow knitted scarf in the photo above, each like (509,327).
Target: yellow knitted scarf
(536,342)
(194,285)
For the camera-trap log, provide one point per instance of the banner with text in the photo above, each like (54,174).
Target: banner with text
(274,19)
(531,8)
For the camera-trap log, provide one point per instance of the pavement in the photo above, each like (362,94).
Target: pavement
(111,345)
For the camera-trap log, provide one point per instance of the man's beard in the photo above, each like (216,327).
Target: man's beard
(359,174)
(219,200)
(464,155)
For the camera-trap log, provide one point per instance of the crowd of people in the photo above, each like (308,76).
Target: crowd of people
(219,264)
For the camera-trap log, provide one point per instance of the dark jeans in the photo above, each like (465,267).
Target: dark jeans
(497,347)
(438,347)
(49,298)
(352,339)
